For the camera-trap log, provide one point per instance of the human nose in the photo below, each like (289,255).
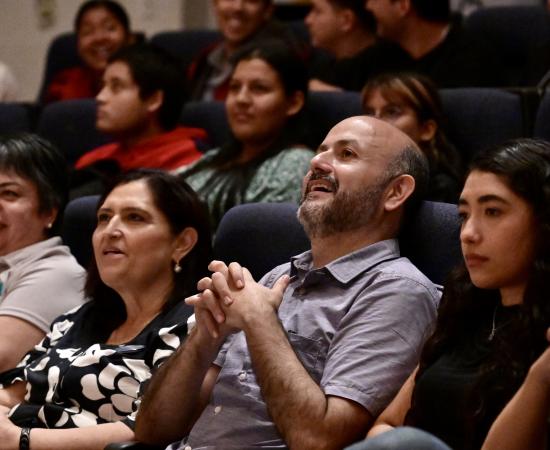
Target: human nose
(243,95)
(101,96)
(112,228)
(321,162)
(470,231)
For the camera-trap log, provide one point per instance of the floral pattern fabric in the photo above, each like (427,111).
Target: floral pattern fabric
(70,385)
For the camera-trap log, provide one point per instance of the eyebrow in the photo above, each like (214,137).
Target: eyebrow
(340,143)
(9,183)
(485,199)
(125,209)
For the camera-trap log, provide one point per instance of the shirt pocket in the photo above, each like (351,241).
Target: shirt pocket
(311,353)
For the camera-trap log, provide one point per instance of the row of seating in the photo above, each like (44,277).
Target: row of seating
(273,234)
(477,118)
(514,32)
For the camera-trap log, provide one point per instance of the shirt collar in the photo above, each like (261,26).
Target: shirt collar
(347,267)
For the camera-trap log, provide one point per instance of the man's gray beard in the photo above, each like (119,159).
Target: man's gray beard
(347,211)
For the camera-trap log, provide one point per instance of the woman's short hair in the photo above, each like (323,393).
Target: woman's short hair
(182,208)
(111,6)
(39,161)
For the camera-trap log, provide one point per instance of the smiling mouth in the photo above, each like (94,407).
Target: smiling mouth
(321,183)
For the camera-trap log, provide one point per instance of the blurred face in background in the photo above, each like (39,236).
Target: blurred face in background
(400,114)
(388,15)
(324,22)
(257,104)
(99,35)
(238,20)
(120,109)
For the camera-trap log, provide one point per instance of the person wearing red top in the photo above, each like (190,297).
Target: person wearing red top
(140,106)
(102,27)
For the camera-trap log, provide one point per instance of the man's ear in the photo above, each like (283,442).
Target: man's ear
(295,103)
(185,241)
(154,101)
(398,191)
(347,20)
(403,6)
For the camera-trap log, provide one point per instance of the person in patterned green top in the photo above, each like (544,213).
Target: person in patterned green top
(265,159)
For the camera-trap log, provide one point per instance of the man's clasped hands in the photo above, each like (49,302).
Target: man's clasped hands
(230,300)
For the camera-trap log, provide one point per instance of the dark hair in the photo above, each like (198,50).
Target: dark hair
(524,165)
(364,16)
(111,6)
(39,161)
(182,208)
(154,69)
(293,75)
(420,94)
(433,10)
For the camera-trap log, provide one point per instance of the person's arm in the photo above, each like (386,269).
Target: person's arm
(17,337)
(394,415)
(86,438)
(303,414)
(523,423)
(180,390)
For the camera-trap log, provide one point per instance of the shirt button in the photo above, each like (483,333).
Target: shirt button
(242,376)
(187,447)
(217,409)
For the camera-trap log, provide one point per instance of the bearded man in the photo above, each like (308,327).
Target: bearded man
(309,356)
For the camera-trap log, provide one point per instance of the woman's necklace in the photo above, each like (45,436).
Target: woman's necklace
(494,327)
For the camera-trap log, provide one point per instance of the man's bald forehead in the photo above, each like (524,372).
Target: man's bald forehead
(374,134)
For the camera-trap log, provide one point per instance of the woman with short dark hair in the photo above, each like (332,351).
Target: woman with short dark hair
(39,278)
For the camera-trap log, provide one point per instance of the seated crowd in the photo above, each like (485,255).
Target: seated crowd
(347,345)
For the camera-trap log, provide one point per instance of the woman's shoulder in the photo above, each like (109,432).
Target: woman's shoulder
(291,159)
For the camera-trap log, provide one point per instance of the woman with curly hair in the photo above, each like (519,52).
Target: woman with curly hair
(410,102)
(494,312)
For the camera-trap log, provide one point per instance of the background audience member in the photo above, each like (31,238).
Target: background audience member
(102,27)
(265,160)
(494,312)
(151,246)
(411,103)
(440,48)
(240,22)
(140,106)
(347,31)
(39,278)
(317,348)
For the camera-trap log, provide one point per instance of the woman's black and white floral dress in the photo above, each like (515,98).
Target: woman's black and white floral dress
(70,385)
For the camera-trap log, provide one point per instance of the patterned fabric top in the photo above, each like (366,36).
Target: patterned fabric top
(73,385)
(277,179)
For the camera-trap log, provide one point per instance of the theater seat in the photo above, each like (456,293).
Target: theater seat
(481,117)
(70,125)
(79,222)
(273,234)
(14,118)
